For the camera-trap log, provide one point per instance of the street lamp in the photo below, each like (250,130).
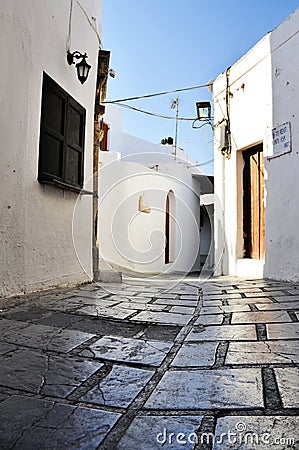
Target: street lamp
(82,66)
(203,110)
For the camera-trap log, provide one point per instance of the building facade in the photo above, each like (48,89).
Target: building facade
(150,206)
(47,127)
(256,113)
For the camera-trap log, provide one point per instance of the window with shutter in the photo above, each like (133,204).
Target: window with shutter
(62,131)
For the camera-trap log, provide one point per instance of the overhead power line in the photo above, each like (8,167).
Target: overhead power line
(158,93)
(153,114)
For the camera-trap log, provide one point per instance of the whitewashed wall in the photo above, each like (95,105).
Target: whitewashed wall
(264,94)
(36,245)
(282,213)
(132,240)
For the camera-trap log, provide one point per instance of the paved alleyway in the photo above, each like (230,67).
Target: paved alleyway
(151,364)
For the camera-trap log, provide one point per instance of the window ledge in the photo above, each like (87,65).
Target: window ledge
(68,187)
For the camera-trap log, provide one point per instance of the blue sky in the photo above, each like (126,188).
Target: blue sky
(161,45)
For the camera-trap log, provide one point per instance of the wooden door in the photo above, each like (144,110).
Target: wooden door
(167,233)
(253,203)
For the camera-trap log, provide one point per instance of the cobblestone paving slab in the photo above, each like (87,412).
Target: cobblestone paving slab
(243,301)
(40,373)
(210,319)
(98,311)
(261,317)
(43,424)
(288,384)
(223,389)
(283,331)
(223,332)
(46,338)
(119,388)
(256,432)
(263,352)
(278,306)
(107,326)
(59,319)
(128,350)
(162,317)
(200,354)
(182,310)
(287,298)
(142,306)
(160,432)
(175,302)
(21,313)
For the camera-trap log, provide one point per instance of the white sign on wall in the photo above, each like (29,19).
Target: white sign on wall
(282,140)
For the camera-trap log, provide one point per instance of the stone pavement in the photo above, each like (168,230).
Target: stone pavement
(151,364)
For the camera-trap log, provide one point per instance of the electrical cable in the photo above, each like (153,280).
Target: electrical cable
(90,23)
(205,163)
(158,93)
(153,114)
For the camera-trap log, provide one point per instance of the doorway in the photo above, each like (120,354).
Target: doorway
(170,228)
(253,203)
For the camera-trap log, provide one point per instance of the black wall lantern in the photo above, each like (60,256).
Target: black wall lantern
(82,66)
(203,110)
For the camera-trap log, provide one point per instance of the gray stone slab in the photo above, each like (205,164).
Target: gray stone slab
(156,432)
(219,308)
(211,310)
(26,314)
(287,380)
(283,330)
(62,305)
(182,310)
(128,350)
(99,311)
(278,306)
(131,305)
(46,338)
(137,299)
(246,301)
(256,432)
(6,348)
(93,294)
(208,389)
(58,319)
(44,374)
(108,326)
(224,309)
(212,302)
(10,326)
(263,352)
(265,294)
(162,317)
(261,317)
(287,298)
(193,297)
(200,354)
(175,302)
(223,333)
(210,319)
(29,423)
(96,301)
(234,295)
(119,387)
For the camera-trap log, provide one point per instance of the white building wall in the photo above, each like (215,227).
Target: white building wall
(282,213)
(263,95)
(250,119)
(134,240)
(36,242)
